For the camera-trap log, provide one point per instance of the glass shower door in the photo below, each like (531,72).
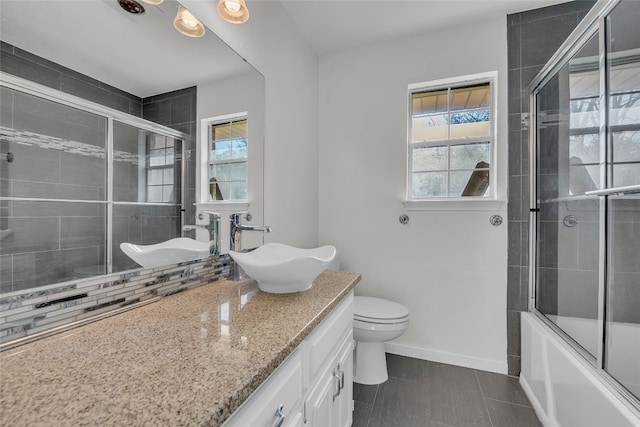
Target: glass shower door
(53,198)
(147,189)
(586,217)
(622,332)
(568,221)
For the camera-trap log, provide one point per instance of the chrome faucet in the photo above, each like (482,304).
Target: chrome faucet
(213,228)
(237,228)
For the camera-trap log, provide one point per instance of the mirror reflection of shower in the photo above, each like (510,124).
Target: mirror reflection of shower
(82,180)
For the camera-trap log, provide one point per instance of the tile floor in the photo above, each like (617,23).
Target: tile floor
(421,393)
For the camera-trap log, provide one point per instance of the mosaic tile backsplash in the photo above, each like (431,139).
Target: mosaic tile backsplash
(38,310)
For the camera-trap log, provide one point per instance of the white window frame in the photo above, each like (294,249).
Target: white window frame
(205,126)
(488,202)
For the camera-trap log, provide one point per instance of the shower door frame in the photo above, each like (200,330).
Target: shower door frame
(593,23)
(35,89)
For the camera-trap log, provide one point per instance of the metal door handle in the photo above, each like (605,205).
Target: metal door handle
(280,416)
(337,393)
(341,376)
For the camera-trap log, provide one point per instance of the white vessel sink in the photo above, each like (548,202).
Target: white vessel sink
(282,269)
(169,252)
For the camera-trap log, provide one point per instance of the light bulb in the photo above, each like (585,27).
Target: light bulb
(188,24)
(233,11)
(232,6)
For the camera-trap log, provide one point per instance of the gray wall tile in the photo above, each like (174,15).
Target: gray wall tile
(12,64)
(513,333)
(94,93)
(541,38)
(31,234)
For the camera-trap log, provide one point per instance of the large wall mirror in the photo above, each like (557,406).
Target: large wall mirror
(113,154)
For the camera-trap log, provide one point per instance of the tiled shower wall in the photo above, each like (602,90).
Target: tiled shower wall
(140,224)
(533,37)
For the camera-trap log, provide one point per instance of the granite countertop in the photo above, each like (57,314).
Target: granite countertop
(187,359)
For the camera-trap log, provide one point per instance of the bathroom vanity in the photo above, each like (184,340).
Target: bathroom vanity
(223,353)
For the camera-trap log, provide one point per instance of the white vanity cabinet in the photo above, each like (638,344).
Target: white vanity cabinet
(313,386)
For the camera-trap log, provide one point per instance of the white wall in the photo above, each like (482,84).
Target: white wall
(271,43)
(448,267)
(238,94)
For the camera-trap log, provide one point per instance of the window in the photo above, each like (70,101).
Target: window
(451,139)
(160,168)
(228,159)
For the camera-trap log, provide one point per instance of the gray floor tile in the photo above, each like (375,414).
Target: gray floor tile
(364,393)
(361,414)
(505,414)
(401,403)
(429,394)
(407,367)
(456,398)
(501,387)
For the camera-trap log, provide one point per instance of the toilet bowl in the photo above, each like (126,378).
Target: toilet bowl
(375,322)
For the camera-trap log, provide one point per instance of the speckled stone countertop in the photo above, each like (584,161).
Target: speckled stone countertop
(189,359)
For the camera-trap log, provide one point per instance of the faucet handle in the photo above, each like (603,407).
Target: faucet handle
(237,216)
(215,215)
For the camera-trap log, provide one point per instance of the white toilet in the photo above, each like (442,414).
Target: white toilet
(375,321)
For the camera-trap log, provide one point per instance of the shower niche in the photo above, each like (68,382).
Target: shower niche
(585,203)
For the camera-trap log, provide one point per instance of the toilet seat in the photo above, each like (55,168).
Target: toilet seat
(380,321)
(377,310)
(379,326)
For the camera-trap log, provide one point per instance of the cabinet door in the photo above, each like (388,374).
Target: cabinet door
(295,420)
(343,404)
(330,401)
(319,406)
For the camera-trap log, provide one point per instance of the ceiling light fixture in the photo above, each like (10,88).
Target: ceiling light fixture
(152,1)
(188,24)
(234,11)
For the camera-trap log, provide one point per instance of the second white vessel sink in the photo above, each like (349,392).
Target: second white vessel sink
(168,252)
(282,269)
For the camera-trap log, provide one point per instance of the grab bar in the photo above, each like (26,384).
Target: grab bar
(615,190)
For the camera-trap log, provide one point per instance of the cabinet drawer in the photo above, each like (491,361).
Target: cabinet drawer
(283,387)
(322,342)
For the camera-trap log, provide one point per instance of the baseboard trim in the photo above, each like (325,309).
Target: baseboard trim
(449,358)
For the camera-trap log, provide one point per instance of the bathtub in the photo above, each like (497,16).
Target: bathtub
(564,389)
